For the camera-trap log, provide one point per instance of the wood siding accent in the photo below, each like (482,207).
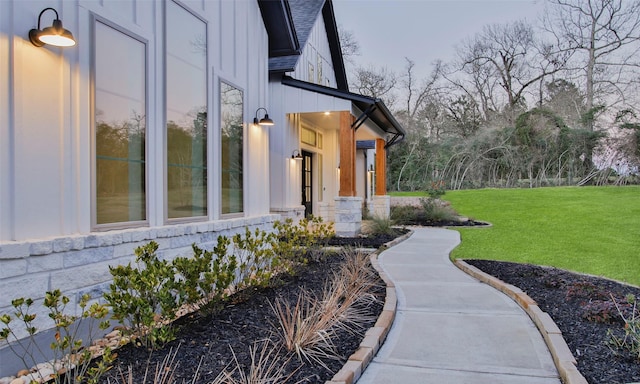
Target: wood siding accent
(347,156)
(381,168)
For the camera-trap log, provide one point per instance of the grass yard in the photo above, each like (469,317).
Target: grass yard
(594,230)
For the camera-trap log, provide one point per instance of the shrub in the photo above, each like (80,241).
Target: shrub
(204,279)
(297,242)
(256,259)
(72,362)
(145,298)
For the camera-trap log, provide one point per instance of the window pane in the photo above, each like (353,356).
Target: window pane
(231,124)
(120,94)
(186,92)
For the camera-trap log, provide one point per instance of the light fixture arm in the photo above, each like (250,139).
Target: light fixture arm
(46,9)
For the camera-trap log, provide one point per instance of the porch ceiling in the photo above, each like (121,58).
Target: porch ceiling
(375,111)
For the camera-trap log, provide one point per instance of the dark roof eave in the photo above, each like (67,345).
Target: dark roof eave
(334,46)
(381,114)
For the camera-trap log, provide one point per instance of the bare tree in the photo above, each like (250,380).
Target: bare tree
(605,34)
(510,57)
(375,82)
(348,44)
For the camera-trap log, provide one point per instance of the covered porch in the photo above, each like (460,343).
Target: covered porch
(335,145)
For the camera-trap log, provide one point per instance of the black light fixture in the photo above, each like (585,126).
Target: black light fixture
(54,35)
(296,155)
(265,120)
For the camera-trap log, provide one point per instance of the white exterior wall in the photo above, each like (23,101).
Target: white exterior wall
(46,202)
(316,49)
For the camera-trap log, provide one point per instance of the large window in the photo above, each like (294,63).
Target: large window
(232,132)
(120,126)
(186,90)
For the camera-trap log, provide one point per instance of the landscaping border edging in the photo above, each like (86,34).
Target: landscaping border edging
(562,357)
(376,335)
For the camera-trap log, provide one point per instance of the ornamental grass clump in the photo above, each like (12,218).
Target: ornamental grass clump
(308,327)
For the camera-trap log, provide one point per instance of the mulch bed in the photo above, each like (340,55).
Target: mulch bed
(205,341)
(581,306)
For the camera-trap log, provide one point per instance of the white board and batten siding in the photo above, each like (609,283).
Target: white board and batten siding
(47,236)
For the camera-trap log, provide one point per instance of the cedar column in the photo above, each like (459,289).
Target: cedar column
(347,155)
(381,168)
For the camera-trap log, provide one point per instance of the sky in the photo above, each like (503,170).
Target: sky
(422,30)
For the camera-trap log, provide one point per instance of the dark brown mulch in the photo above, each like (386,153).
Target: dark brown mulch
(367,241)
(581,306)
(207,339)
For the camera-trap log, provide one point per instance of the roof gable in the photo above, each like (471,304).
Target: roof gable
(303,17)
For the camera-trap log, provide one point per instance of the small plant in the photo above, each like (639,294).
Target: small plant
(405,214)
(599,311)
(72,362)
(436,189)
(434,210)
(586,290)
(145,298)
(631,339)
(379,225)
(256,259)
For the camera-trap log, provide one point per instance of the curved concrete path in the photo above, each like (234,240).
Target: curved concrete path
(449,327)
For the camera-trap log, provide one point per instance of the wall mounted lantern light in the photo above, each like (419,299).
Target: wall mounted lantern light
(265,120)
(54,35)
(296,155)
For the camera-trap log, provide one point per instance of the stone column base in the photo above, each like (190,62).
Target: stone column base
(381,206)
(348,216)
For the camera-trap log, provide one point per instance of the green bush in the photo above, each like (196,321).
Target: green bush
(297,242)
(203,278)
(145,297)
(257,260)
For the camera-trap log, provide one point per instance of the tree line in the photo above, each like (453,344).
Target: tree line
(521,104)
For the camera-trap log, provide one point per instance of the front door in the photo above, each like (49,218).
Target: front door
(307,183)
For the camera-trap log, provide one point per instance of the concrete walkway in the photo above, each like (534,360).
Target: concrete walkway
(449,327)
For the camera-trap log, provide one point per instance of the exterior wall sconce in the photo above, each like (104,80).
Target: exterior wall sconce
(296,155)
(54,35)
(265,120)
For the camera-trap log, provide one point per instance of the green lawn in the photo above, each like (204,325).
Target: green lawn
(594,230)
